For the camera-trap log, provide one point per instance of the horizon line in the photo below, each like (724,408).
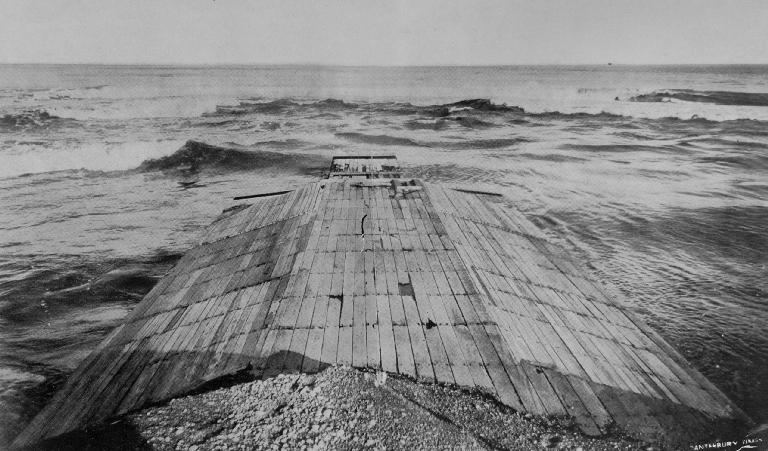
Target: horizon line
(310,64)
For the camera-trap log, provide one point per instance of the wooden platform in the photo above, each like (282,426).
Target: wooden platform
(371,166)
(403,276)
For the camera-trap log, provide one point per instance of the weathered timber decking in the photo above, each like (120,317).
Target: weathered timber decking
(372,166)
(407,277)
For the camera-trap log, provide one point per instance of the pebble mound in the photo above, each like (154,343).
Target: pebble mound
(339,408)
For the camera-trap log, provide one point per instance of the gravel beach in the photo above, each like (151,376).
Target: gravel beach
(338,408)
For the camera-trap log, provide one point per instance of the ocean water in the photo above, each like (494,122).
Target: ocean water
(657,176)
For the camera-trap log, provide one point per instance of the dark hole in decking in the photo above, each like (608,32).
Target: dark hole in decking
(405,289)
(430,324)
(339,298)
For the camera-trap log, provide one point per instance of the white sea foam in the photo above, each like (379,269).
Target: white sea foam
(89,156)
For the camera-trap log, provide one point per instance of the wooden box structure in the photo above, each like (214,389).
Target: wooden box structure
(403,276)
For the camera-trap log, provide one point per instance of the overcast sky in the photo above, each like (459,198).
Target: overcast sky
(391,32)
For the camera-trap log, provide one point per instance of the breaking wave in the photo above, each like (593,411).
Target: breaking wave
(478,113)
(31,119)
(471,113)
(436,125)
(54,156)
(381,140)
(715,97)
(444,123)
(279,106)
(196,156)
(471,122)
(288,105)
(483,105)
(558,115)
(387,140)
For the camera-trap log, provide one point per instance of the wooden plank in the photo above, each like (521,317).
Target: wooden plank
(349,273)
(472,356)
(570,363)
(222,345)
(291,284)
(48,422)
(313,356)
(319,313)
(295,357)
(304,319)
(591,402)
(386,334)
(544,390)
(501,382)
(359,341)
(196,366)
(526,328)
(166,369)
(345,352)
(372,332)
(467,309)
(359,287)
(380,275)
(276,359)
(509,326)
(405,359)
(644,419)
(449,343)
(287,312)
(418,340)
(443,287)
(627,414)
(668,353)
(401,267)
(438,356)
(392,284)
(573,404)
(452,310)
(111,385)
(234,360)
(459,367)
(527,397)
(331,333)
(137,388)
(346,314)
(397,311)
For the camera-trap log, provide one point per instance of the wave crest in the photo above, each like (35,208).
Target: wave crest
(732,98)
(279,106)
(483,105)
(470,113)
(30,119)
(444,123)
(559,115)
(381,140)
(287,105)
(196,156)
